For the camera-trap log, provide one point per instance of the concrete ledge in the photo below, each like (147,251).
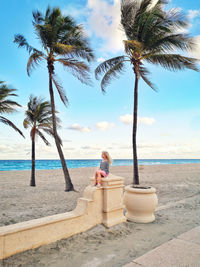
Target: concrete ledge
(98,205)
(31,234)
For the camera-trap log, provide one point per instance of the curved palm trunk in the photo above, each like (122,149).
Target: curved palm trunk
(134,133)
(32,182)
(68,184)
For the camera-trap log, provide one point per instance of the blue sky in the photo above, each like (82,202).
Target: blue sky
(169,119)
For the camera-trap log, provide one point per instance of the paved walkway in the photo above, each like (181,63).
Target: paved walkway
(183,251)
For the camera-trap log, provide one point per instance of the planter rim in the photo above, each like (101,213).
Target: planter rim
(136,190)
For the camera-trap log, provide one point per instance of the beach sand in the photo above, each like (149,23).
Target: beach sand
(178,190)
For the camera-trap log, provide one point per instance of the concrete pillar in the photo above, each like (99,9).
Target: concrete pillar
(112,208)
(113,200)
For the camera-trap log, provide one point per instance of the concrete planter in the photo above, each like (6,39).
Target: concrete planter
(140,203)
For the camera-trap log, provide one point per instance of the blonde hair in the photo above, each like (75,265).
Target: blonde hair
(108,157)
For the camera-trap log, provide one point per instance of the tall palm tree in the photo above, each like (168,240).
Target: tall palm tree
(39,119)
(63,42)
(153,37)
(7,105)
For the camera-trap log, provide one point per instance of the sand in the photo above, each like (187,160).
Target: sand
(178,190)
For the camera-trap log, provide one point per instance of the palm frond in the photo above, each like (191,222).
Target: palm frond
(84,52)
(133,47)
(47,13)
(30,116)
(21,41)
(44,117)
(9,102)
(60,90)
(11,124)
(7,105)
(5,109)
(45,34)
(174,61)
(5,91)
(26,123)
(172,42)
(39,118)
(151,23)
(72,34)
(45,124)
(49,131)
(63,49)
(77,68)
(129,10)
(34,60)
(37,17)
(54,14)
(175,18)
(143,73)
(107,65)
(113,72)
(136,16)
(42,137)
(147,14)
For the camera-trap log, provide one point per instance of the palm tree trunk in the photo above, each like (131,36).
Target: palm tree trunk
(32,182)
(135,109)
(68,184)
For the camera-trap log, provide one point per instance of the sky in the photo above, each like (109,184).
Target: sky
(169,119)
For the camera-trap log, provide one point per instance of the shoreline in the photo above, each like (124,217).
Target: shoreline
(72,168)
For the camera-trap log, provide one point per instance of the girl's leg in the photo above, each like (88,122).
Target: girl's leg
(99,177)
(95,179)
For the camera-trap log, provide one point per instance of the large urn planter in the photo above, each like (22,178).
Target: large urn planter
(140,203)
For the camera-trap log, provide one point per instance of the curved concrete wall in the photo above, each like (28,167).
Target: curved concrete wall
(98,205)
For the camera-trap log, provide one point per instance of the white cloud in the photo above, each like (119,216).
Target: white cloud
(69,148)
(145,145)
(77,127)
(104,125)
(165,150)
(100,59)
(128,119)
(193,13)
(4,148)
(104,21)
(75,11)
(90,148)
(125,147)
(146,120)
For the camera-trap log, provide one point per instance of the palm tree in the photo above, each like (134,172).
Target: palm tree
(64,42)
(152,36)
(38,118)
(8,105)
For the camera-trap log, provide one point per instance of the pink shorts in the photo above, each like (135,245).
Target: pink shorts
(103,173)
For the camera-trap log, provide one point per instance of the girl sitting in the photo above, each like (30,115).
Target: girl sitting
(103,171)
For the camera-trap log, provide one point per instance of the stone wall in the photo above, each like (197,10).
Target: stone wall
(98,205)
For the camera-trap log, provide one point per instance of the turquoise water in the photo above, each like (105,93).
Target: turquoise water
(10,165)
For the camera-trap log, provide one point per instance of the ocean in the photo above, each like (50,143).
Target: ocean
(11,165)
